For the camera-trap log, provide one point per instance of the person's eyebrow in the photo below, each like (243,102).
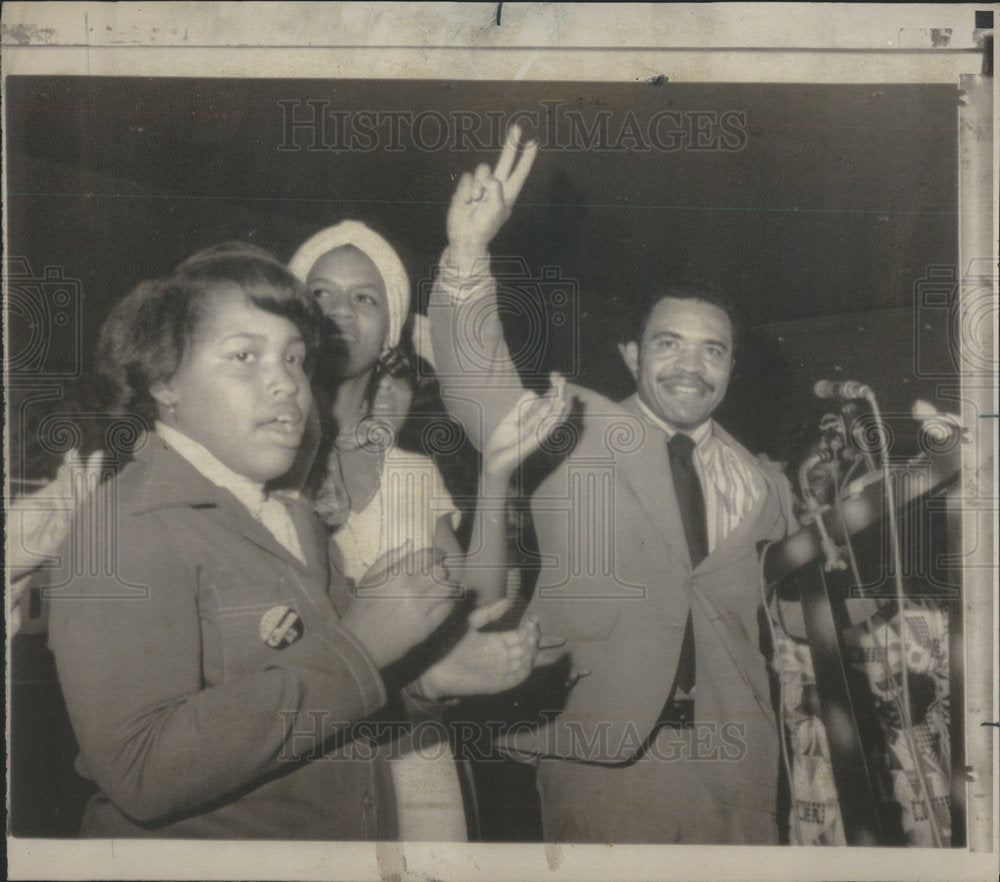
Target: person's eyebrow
(673,335)
(351,286)
(257,338)
(319,280)
(720,343)
(241,334)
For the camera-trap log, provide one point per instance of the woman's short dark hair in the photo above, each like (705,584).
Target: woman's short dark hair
(147,333)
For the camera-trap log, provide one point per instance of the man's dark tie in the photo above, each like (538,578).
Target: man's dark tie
(690,500)
(691,503)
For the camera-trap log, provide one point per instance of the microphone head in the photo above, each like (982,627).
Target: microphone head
(824,389)
(843,389)
(854,389)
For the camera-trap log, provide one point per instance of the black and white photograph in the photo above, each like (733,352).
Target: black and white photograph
(445,440)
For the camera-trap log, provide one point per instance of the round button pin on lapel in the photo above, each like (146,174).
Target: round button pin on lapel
(281,626)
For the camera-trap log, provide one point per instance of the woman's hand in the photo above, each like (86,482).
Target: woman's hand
(484,199)
(400,602)
(524,428)
(486,663)
(37,523)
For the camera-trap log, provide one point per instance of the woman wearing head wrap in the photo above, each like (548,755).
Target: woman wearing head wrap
(363,290)
(378,497)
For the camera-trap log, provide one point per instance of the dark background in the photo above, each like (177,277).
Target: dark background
(820,227)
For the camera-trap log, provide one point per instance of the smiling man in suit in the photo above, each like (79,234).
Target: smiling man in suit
(648,517)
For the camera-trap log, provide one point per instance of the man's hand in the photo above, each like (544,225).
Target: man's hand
(400,602)
(486,663)
(483,201)
(523,429)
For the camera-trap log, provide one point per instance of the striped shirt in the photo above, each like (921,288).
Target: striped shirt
(729,485)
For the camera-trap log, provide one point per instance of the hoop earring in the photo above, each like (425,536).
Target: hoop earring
(379,403)
(392,358)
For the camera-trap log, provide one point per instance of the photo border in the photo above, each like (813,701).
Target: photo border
(827,43)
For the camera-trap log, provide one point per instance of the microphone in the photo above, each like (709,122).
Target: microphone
(845,390)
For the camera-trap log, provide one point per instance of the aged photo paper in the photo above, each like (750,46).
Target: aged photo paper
(828,170)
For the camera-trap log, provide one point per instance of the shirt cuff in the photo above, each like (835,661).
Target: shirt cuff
(419,705)
(461,288)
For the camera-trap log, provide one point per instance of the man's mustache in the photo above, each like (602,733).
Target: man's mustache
(690,379)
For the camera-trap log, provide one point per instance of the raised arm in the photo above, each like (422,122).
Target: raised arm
(520,432)
(479,382)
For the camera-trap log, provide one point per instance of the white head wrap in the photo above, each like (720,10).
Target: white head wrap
(377,250)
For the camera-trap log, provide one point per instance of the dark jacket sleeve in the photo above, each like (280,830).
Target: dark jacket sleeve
(152,735)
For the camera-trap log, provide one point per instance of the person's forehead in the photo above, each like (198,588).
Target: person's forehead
(348,265)
(227,307)
(689,317)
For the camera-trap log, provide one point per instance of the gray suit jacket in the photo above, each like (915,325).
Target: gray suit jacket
(616,578)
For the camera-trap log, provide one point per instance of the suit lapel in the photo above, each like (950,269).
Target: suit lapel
(322,555)
(647,472)
(173,481)
(311,532)
(254,531)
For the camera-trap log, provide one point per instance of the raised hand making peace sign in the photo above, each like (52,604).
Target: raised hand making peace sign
(483,199)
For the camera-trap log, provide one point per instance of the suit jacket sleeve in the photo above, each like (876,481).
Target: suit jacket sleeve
(783,491)
(479,381)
